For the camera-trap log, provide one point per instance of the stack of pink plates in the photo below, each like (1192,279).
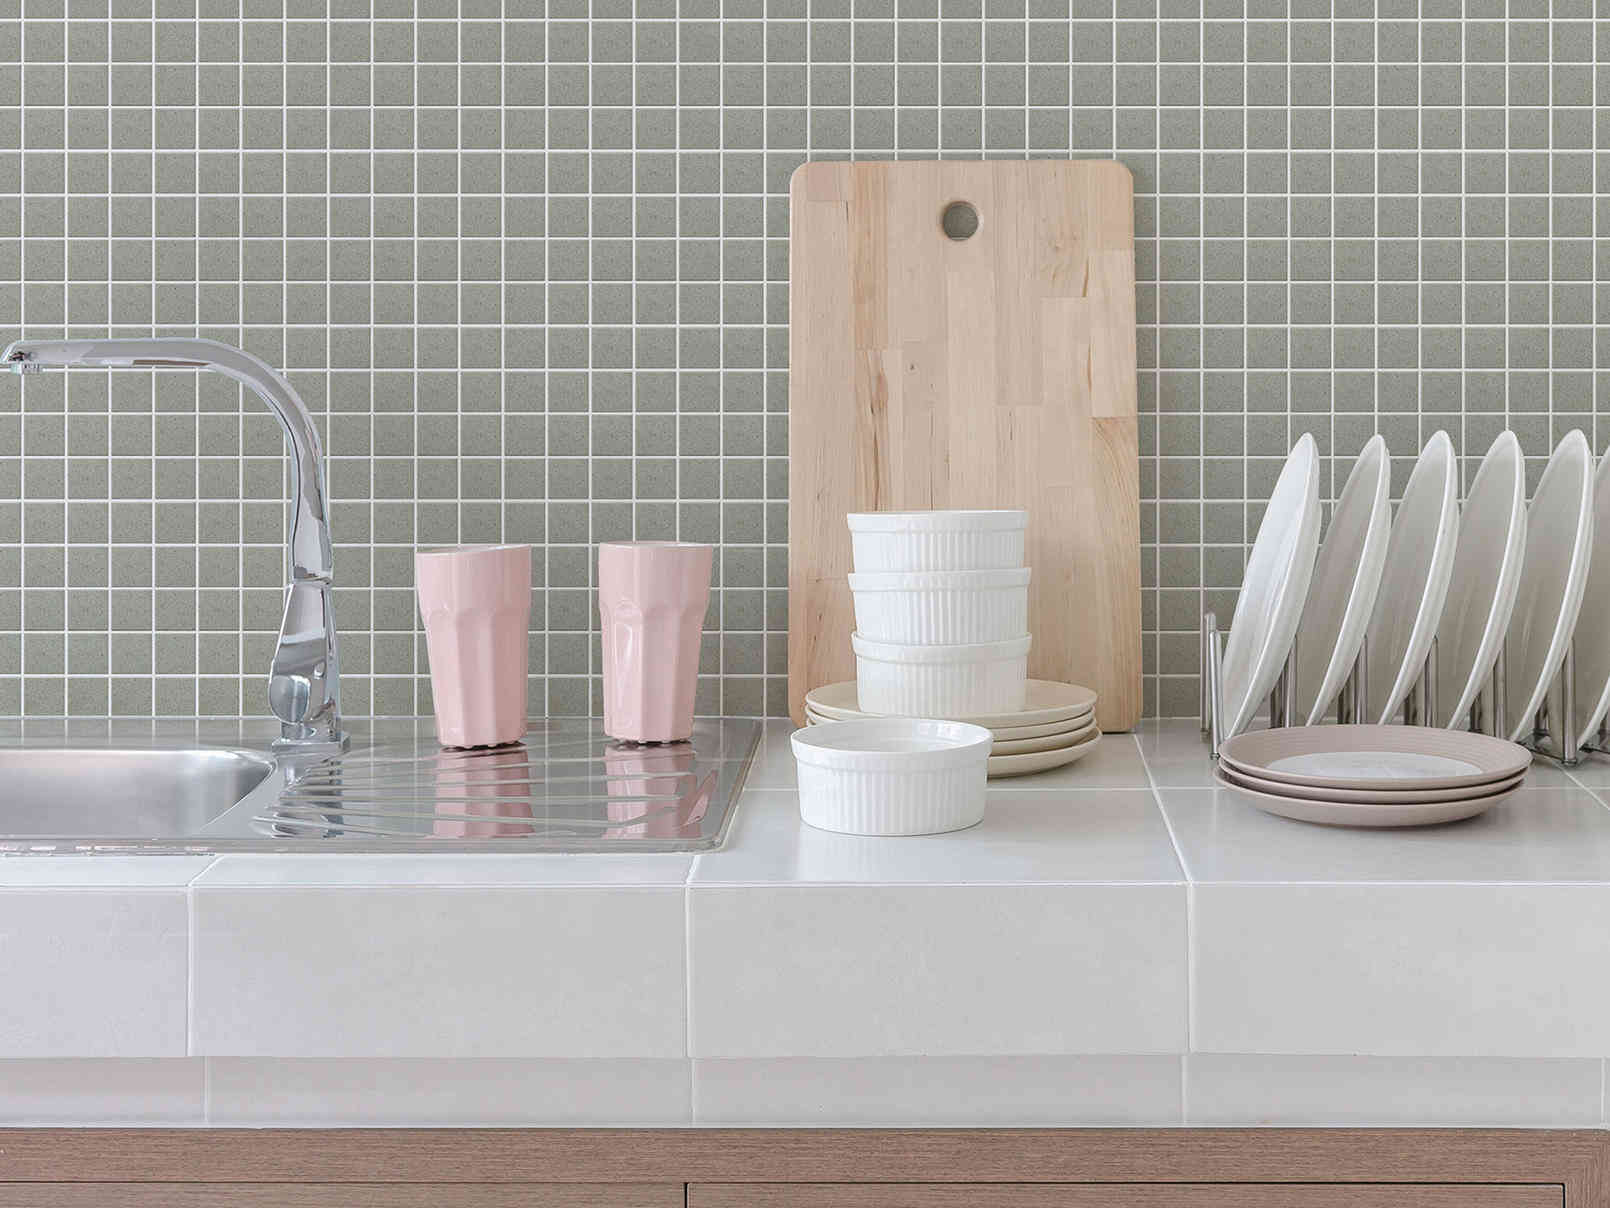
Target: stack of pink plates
(1372,775)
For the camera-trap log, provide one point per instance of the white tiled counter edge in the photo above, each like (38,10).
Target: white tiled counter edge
(1172,957)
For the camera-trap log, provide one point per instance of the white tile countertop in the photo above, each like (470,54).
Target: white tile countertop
(1119,942)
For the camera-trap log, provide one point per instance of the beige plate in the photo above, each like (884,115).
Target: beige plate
(1016,733)
(1046,701)
(1380,796)
(1001,733)
(1048,742)
(1040,761)
(1339,813)
(1373,758)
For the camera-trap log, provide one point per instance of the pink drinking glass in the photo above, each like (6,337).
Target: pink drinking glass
(651,601)
(476,604)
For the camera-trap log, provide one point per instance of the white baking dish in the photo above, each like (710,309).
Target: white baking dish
(892,776)
(940,681)
(942,607)
(949,540)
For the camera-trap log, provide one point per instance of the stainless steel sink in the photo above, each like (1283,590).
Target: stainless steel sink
(118,787)
(85,792)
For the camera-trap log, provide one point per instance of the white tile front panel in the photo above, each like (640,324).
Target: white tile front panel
(421,972)
(1455,970)
(128,1092)
(1246,1089)
(92,972)
(486,1093)
(937,1092)
(908,969)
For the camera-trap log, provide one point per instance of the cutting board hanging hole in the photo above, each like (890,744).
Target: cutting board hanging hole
(960,220)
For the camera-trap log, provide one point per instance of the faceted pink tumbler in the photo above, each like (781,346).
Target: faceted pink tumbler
(651,599)
(476,604)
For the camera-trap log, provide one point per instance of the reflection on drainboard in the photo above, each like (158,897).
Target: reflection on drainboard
(567,786)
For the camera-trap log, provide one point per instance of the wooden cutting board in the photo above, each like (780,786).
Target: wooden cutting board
(996,369)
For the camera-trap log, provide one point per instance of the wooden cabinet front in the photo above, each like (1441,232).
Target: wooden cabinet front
(341,1195)
(1129,1195)
(804,1168)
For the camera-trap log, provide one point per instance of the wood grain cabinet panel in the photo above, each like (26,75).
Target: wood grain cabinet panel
(804,1168)
(341,1195)
(1132,1195)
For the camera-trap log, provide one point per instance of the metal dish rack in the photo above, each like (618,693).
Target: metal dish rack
(1487,713)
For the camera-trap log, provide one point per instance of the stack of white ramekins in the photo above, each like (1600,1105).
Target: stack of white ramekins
(941,612)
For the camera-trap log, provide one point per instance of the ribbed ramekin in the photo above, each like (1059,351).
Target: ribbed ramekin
(942,607)
(902,680)
(892,776)
(952,540)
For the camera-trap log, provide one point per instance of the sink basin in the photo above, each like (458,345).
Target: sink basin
(110,786)
(130,793)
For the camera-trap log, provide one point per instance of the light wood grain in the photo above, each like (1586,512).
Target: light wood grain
(339,1195)
(1143,1195)
(996,371)
(1575,1158)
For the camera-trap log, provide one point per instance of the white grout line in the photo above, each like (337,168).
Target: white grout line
(190,972)
(1190,911)
(687,970)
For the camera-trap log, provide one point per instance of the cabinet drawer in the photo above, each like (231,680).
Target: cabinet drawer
(1123,1195)
(341,1195)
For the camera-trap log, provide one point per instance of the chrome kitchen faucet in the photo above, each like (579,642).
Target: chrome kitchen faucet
(304,681)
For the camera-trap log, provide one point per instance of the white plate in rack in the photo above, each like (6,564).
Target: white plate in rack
(1272,589)
(1593,634)
(1559,539)
(1346,577)
(1414,583)
(1486,575)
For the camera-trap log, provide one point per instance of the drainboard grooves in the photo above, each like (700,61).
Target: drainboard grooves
(567,786)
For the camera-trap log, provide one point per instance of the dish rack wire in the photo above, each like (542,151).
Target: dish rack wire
(1487,713)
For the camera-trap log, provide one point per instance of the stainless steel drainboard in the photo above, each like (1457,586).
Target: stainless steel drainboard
(567,787)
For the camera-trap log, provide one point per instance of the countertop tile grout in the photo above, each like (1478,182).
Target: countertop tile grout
(1190,916)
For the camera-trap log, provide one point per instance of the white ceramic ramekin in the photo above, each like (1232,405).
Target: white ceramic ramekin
(890,541)
(892,776)
(942,607)
(940,681)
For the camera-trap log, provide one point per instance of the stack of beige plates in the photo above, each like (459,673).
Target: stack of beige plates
(1372,775)
(1056,725)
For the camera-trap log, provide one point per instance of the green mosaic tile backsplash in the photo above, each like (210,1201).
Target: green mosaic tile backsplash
(527,261)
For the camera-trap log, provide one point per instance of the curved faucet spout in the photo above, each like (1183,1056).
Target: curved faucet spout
(304,681)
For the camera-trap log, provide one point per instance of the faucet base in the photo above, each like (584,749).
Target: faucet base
(316,745)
